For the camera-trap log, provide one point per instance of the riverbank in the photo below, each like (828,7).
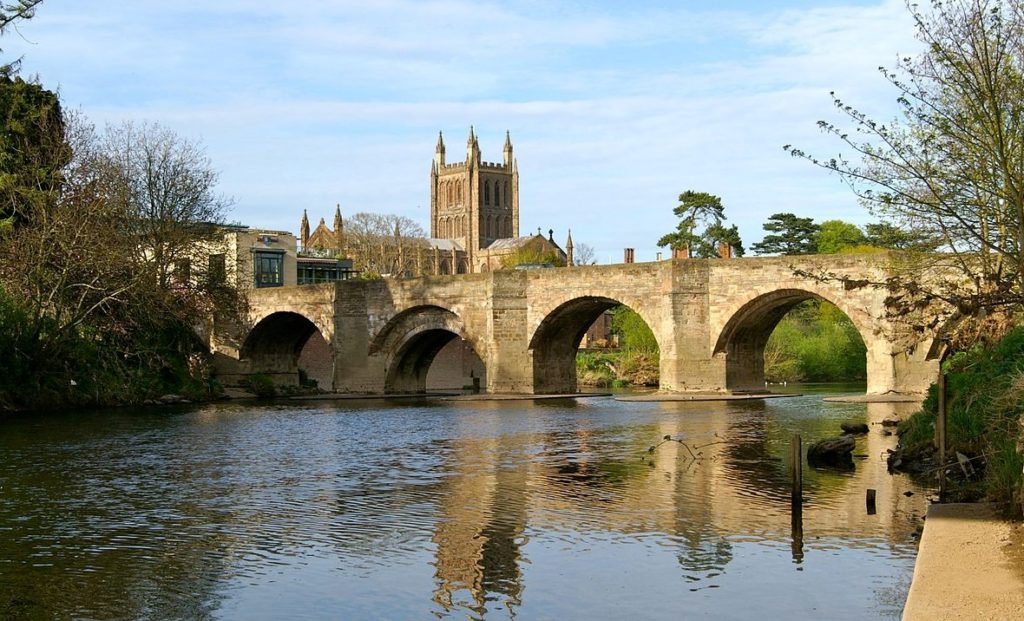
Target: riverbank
(970,565)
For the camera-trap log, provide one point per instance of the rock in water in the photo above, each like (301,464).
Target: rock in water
(832,451)
(859,428)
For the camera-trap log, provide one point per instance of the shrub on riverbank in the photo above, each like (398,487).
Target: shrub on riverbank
(617,369)
(815,342)
(985,406)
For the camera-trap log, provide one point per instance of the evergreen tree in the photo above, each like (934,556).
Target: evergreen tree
(698,209)
(790,235)
(33,149)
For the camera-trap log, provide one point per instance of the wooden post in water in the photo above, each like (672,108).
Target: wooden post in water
(869,500)
(796,455)
(940,432)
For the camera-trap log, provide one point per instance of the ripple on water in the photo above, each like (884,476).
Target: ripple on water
(492,510)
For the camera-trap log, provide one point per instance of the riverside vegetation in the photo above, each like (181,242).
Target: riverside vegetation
(815,342)
(984,415)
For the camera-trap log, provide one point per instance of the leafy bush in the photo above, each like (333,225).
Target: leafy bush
(261,386)
(984,410)
(634,333)
(815,342)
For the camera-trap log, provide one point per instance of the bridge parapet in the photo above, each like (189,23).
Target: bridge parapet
(711,319)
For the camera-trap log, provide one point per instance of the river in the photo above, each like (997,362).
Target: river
(449,509)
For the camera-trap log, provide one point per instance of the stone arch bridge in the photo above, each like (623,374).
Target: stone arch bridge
(711,318)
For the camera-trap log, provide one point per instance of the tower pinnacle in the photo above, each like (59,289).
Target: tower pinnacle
(508,149)
(304,229)
(439,151)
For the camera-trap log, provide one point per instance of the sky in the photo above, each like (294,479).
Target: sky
(614,108)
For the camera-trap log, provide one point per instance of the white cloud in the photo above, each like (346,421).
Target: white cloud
(613,111)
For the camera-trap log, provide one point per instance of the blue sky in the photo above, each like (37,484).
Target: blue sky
(614,107)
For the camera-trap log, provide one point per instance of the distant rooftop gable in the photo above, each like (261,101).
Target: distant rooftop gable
(514,243)
(445,244)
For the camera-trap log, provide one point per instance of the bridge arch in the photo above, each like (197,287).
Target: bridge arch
(276,342)
(411,341)
(555,342)
(743,338)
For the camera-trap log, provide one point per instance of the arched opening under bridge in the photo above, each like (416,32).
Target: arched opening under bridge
(287,347)
(595,342)
(790,336)
(428,350)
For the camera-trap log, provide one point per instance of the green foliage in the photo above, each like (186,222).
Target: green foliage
(306,381)
(617,369)
(533,254)
(790,235)
(835,235)
(984,410)
(261,386)
(33,150)
(634,333)
(892,237)
(815,342)
(951,164)
(10,12)
(698,209)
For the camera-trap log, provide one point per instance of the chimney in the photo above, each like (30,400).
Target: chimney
(628,255)
(724,250)
(681,253)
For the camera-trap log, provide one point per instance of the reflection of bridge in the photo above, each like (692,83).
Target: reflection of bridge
(711,318)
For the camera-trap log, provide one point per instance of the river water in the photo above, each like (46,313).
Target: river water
(450,510)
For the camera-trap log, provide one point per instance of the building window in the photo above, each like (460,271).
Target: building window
(487,193)
(268,269)
(217,271)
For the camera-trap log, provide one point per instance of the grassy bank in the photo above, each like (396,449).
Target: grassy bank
(617,369)
(985,406)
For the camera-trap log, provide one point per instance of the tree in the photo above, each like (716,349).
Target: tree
(11,12)
(164,187)
(698,209)
(790,235)
(633,331)
(387,244)
(19,9)
(835,236)
(81,303)
(892,237)
(583,254)
(532,254)
(952,167)
(714,236)
(33,150)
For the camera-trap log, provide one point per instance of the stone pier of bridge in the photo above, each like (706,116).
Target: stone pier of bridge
(711,318)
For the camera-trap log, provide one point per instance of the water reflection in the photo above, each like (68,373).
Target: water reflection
(486,510)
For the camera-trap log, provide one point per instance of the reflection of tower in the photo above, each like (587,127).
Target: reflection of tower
(484,515)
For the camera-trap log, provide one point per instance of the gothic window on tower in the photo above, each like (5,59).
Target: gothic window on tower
(487,192)
(497,194)
(507,204)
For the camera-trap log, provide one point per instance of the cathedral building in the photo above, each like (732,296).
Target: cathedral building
(474,210)
(474,218)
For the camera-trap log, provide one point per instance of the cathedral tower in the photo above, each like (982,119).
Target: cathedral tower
(474,202)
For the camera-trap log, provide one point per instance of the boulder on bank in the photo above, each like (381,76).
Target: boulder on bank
(854,428)
(832,452)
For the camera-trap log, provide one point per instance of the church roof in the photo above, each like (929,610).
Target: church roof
(445,244)
(512,243)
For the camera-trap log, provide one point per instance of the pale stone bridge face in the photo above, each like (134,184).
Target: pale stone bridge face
(711,318)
